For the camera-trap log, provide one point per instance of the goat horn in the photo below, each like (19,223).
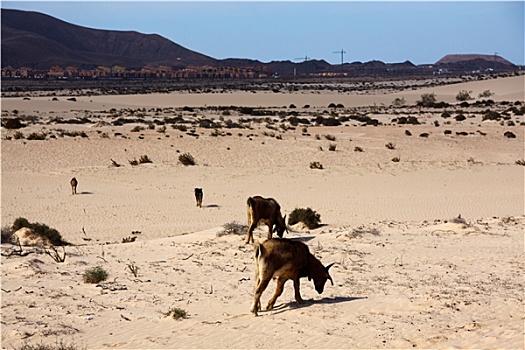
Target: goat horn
(328,267)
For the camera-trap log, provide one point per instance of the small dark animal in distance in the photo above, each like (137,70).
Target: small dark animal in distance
(74,184)
(198,196)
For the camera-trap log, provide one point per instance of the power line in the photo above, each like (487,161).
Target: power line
(342,52)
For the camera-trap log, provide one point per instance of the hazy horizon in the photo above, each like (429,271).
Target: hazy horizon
(420,32)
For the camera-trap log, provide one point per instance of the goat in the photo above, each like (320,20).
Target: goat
(73,184)
(285,259)
(268,211)
(198,197)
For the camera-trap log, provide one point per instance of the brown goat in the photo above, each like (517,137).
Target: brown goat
(198,196)
(285,259)
(73,184)
(268,211)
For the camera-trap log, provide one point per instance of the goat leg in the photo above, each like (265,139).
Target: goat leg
(296,286)
(263,283)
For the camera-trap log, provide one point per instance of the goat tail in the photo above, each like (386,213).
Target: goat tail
(259,250)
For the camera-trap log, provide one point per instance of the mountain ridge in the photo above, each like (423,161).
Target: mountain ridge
(39,41)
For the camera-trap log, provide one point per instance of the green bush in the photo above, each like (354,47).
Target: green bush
(95,275)
(40,230)
(307,216)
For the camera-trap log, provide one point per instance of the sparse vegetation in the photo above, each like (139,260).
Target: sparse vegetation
(176,313)
(358,149)
(40,230)
(463,95)
(307,216)
(95,275)
(427,100)
(233,228)
(7,234)
(361,231)
(332,147)
(59,345)
(144,159)
(316,165)
(330,137)
(390,145)
(399,102)
(486,94)
(186,159)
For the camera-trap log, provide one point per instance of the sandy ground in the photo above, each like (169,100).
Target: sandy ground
(405,274)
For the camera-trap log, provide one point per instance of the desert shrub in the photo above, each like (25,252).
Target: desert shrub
(332,147)
(133,162)
(330,121)
(361,231)
(406,120)
(390,145)
(330,137)
(399,102)
(518,162)
(486,93)
(396,159)
(358,149)
(12,123)
(145,159)
(95,275)
(180,127)
(186,159)
(491,115)
(137,128)
(509,134)
(176,313)
(307,216)
(233,228)
(36,136)
(427,100)
(316,165)
(18,135)
(408,133)
(59,345)
(463,95)
(7,234)
(40,230)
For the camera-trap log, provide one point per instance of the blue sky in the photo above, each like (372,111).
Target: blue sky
(391,31)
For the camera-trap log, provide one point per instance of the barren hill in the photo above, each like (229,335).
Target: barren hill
(37,40)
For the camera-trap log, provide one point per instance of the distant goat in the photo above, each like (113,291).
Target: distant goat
(73,184)
(285,259)
(198,197)
(268,211)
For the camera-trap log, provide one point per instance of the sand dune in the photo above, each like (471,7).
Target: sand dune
(408,272)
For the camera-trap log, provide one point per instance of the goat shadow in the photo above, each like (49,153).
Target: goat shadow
(307,303)
(84,192)
(303,239)
(211,206)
